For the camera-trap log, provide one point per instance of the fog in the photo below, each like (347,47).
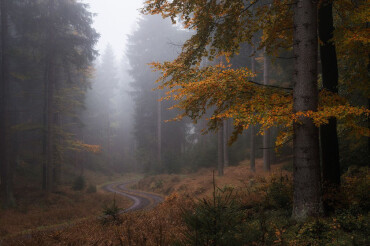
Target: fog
(83,99)
(106,112)
(114,21)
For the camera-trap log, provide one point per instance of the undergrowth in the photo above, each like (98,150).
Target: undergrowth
(259,213)
(111,213)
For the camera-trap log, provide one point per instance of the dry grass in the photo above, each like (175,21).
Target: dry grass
(161,226)
(200,184)
(38,211)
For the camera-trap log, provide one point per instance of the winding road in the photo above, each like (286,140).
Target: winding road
(141,200)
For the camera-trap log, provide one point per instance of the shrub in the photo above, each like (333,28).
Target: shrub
(356,186)
(79,183)
(215,221)
(111,213)
(279,193)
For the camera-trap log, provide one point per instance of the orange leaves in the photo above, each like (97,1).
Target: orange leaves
(92,148)
(230,93)
(79,146)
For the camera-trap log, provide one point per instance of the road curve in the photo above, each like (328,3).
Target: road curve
(141,200)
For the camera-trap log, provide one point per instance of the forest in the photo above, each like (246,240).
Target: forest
(220,122)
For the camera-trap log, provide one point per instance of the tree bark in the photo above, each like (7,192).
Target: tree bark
(6,176)
(306,160)
(225,140)
(328,132)
(252,130)
(108,137)
(48,147)
(220,151)
(48,114)
(57,155)
(159,130)
(266,132)
(273,132)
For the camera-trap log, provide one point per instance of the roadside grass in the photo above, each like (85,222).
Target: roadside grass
(37,211)
(200,183)
(257,212)
(159,226)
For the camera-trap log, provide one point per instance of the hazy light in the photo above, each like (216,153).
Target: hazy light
(116,19)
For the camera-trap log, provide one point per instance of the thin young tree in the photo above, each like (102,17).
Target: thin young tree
(252,157)
(220,151)
(266,132)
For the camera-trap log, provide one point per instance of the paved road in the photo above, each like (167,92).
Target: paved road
(141,200)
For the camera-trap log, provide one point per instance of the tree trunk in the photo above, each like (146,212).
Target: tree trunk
(48,146)
(108,137)
(273,145)
(266,132)
(48,114)
(159,130)
(306,160)
(220,151)
(57,155)
(328,132)
(6,176)
(252,130)
(202,138)
(225,140)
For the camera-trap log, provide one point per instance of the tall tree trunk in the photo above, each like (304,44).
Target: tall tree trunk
(273,145)
(48,114)
(108,137)
(225,140)
(220,151)
(159,130)
(57,155)
(252,130)
(202,138)
(48,146)
(266,132)
(5,168)
(328,132)
(45,131)
(306,160)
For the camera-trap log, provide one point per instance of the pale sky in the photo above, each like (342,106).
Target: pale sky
(116,19)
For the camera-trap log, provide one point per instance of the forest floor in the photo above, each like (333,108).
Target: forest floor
(38,211)
(252,208)
(200,183)
(148,227)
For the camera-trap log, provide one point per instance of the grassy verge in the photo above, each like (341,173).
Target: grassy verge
(256,211)
(37,211)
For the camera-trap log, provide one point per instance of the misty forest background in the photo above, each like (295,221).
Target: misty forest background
(68,112)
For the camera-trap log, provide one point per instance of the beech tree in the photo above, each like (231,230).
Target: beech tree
(306,160)
(221,26)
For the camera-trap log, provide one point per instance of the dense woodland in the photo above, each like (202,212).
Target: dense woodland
(201,84)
